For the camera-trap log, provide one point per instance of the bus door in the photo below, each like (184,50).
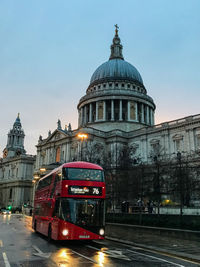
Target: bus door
(55,219)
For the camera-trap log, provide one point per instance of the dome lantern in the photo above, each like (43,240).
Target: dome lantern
(116,47)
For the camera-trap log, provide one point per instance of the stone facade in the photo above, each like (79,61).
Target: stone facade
(117,116)
(16,170)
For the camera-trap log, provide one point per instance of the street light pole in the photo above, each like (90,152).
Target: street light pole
(157,184)
(82,137)
(179,158)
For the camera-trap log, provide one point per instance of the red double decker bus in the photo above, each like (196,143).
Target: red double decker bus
(70,202)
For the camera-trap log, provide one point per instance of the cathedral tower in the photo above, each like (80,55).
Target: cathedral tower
(15,142)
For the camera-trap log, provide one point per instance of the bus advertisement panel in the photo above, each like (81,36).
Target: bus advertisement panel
(70,202)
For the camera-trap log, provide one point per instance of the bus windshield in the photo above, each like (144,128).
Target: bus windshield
(87,212)
(83,174)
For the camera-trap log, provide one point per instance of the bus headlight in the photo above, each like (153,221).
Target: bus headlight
(101,231)
(65,232)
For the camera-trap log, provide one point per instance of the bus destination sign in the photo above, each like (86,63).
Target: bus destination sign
(85,190)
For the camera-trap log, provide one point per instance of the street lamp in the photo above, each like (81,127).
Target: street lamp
(35,180)
(157,183)
(82,137)
(42,170)
(179,158)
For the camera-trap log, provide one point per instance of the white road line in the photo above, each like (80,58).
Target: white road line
(1,243)
(153,257)
(37,249)
(7,264)
(84,256)
(118,254)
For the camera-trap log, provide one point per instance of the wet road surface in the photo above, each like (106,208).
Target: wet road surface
(20,246)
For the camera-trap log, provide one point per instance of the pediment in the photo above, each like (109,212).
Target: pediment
(56,135)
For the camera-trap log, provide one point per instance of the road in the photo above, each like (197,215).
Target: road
(20,246)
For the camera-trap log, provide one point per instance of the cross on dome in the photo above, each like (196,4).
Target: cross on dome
(116,29)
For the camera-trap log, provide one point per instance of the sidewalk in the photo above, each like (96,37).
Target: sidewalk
(188,249)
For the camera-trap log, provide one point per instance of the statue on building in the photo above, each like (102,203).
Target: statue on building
(69,127)
(59,125)
(40,139)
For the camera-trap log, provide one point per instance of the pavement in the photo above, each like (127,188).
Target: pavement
(187,249)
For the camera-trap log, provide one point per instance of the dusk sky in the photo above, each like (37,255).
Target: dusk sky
(50,49)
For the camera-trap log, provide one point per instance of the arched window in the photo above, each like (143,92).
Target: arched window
(58,154)
(132,110)
(100,110)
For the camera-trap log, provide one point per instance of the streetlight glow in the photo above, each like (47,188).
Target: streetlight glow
(82,136)
(36,176)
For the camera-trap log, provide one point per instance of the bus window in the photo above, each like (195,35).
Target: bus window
(56,208)
(83,174)
(44,182)
(82,211)
(57,179)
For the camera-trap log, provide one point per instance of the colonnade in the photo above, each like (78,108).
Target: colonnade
(116,110)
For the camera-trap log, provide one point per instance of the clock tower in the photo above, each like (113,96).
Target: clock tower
(15,142)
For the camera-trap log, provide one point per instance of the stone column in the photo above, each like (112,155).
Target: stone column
(85,114)
(150,117)
(191,140)
(82,121)
(153,117)
(112,110)
(128,109)
(147,108)
(120,110)
(90,112)
(104,110)
(142,111)
(136,111)
(97,106)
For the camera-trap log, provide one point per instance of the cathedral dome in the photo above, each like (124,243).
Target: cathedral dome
(116,97)
(116,69)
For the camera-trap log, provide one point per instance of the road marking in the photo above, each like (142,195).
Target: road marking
(7,264)
(153,257)
(1,243)
(113,253)
(40,253)
(160,253)
(84,256)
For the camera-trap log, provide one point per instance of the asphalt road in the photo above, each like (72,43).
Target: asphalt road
(20,246)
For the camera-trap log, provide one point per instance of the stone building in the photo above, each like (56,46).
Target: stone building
(16,170)
(116,117)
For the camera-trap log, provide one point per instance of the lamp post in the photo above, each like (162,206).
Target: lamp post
(35,180)
(157,183)
(179,158)
(82,137)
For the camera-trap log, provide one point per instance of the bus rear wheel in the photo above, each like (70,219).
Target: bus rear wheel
(35,226)
(49,233)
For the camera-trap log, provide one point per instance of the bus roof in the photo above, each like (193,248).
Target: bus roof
(75,164)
